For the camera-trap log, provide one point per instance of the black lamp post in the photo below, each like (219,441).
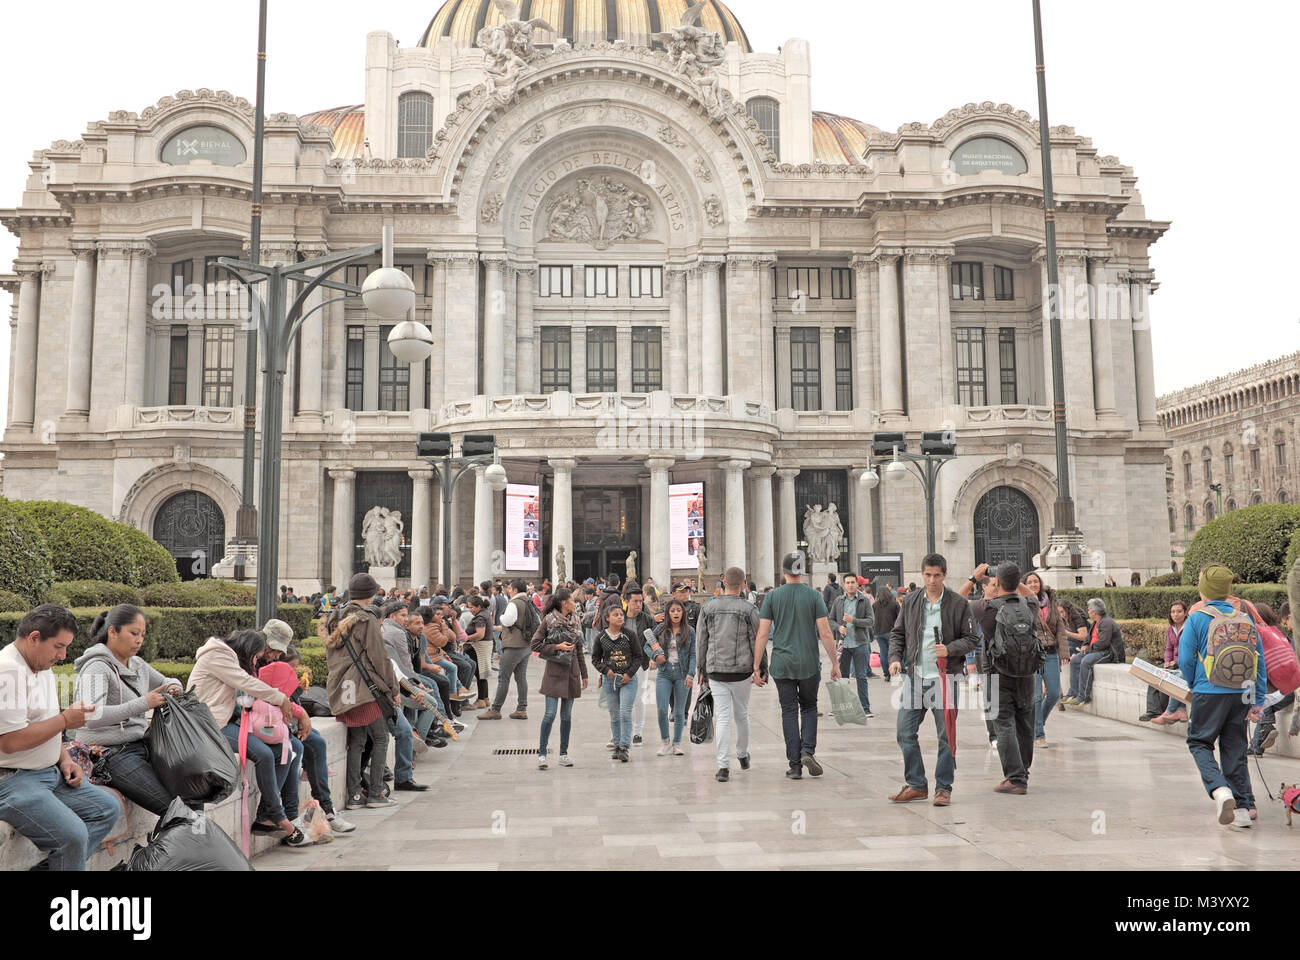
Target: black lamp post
(476,449)
(936,450)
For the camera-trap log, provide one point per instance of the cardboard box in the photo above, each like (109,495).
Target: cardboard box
(1168,682)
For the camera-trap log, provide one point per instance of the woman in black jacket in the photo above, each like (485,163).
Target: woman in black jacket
(1104,643)
(618,656)
(885,610)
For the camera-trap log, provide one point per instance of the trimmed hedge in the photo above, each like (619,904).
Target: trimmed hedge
(1166,580)
(153,563)
(172,633)
(1152,603)
(25,565)
(93,593)
(1292,554)
(10,602)
(1145,639)
(66,676)
(313,658)
(1251,542)
(84,545)
(200,593)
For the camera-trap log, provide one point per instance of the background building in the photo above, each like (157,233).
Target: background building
(639,272)
(1232,444)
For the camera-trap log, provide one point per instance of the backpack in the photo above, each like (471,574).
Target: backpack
(1014,649)
(1231,656)
(1280,660)
(266,722)
(531,621)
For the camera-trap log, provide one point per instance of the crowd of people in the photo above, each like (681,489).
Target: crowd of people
(406,665)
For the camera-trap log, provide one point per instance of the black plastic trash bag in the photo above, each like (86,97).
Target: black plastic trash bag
(191,756)
(316,702)
(186,840)
(702,718)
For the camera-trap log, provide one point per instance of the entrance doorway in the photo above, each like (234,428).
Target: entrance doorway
(1006,528)
(191,527)
(606,529)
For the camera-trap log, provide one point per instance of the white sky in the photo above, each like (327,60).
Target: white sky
(1198,97)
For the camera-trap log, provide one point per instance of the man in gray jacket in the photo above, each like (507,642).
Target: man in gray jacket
(853,623)
(728,627)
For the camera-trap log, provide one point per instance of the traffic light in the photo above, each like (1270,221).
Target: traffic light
(884,444)
(433,445)
(939,444)
(478,445)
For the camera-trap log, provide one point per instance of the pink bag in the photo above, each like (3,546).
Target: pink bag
(266,722)
(1279,660)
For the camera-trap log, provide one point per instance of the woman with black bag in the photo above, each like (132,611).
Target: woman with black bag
(126,688)
(558,641)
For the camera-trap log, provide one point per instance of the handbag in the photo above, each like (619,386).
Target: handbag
(563,658)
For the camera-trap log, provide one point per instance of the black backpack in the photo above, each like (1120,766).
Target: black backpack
(532,620)
(1014,649)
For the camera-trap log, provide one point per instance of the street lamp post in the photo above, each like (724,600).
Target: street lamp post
(476,450)
(387,292)
(937,449)
(1217,489)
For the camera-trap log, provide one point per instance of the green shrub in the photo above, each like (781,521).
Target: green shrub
(1292,554)
(93,593)
(84,545)
(1152,603)
(153,563)
(1145,639)
(313,659)
(1166,580)
(200,593)
(1251,542)
(66,676)
(12,603)
(25,565)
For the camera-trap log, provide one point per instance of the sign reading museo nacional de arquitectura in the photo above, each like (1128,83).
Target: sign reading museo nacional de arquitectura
(647,261)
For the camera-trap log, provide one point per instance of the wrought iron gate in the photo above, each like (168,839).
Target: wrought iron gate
(822,487)
(1006,528)
(192,528)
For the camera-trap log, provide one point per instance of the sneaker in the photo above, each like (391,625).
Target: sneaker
(388,775)
(1040,742)
(463,694)
(624,755)
(565,761)
(418,747)
(1269,740)
(611,745)
(457,726)
(541,761)
(678,751)
(300,839)
(338,824)
(385,802)
(870,715)
(412,786)
(436,742)
(665,750)
(1240,819)
(637,739)
(993,744)
(814,768)
(355,802)
(744,763)
(1067,701)
(722,775)
(519,715)
(794,773)
(493,714)
(1227,807)
(1146,718)
(617,754)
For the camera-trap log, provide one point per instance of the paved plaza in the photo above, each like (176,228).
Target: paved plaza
(1104,795)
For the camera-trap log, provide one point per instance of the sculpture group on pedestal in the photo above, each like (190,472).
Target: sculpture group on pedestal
(381,532)
(823,531)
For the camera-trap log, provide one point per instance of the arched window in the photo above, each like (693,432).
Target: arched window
(1282,497)
(414,124)
(1190,514)
(768,114)
(1173,521)
(192,528)
(1232,505)
(1256,500)
(1209,510)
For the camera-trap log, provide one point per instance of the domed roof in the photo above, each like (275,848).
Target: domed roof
(582,21)
(838,139)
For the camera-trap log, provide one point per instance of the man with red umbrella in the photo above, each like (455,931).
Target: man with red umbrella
(932,635)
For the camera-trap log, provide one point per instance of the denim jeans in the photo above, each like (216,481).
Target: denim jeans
(859,658)
(641,702)
(671,693)
(444,686)
(1081,673)
(466,669)
(1221,717)
(514,663)
(730,700)
(619,697)
(1049,676)
(1015,727)
(377,734)
(920,696)
(565,709)
(1269,720)
(317,766)
(799,702)
(277,783)
(131,772)
(67,823)
(403,750)
(882,647)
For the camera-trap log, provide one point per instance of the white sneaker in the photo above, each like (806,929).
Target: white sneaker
(678,751)
(541,762)
(565,761)
(418,747)
(1222,796)
(665,750)
(1241,818)
(870,715)
(610,745)
(339,825)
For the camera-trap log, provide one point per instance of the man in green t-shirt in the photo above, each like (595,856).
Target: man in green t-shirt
(795,617)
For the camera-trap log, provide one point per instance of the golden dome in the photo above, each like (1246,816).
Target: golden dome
(838,139)
(582,21)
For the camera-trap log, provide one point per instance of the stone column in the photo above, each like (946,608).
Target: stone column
(23,413)
(826,343)
(461,326)
(528,371)
(864,385)
(562,514)
(341,548)
(311,367)
(695,328)
(438,314)
(860,540)
(494,327)
(927,346)
(112,298)
(137,323)
(578,358)
(735,546)
(623,359)
(678,366)
(711,333)
(1143,353)
(766,330)
(763,573)
(1103,356)
(745,337)
(660,562)
(1076,337)
(947,394)
(421,525)
(484,524)
(784,400)
(789,529)
(81,329)
(891,346)
(194,364)
(447,576)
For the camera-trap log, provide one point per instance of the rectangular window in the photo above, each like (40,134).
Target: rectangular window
(1187,474)
(971,384)
(218,366)
(213,274)
(1254,460)
(803,282)
(394,377)
(1209,474)
(1281,454)
(555,282)
(1007,361)
(843,368)
(1004,283)
(776,284)
(177,366)
(1228,467)
(647,360)
(356,368)
(601,282)
(557,356)
(182,276)
(841,283)
(602,360)
(968,281)
(356,274)
(806,368)
(647,282)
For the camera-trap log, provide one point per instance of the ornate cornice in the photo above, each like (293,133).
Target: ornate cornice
(496,260)
(187,98)
(83,249)
(451,258)
(929,254)
(755,260)
(27,269)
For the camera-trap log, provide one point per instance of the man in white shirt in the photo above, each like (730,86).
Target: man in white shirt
(43,793)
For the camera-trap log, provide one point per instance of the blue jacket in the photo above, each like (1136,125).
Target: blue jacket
(1191,648)
(685,651)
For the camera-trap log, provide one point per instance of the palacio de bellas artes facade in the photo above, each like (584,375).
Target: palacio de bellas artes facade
(646,260)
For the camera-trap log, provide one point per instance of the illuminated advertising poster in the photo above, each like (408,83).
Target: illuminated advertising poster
(523,527)
(686,514)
